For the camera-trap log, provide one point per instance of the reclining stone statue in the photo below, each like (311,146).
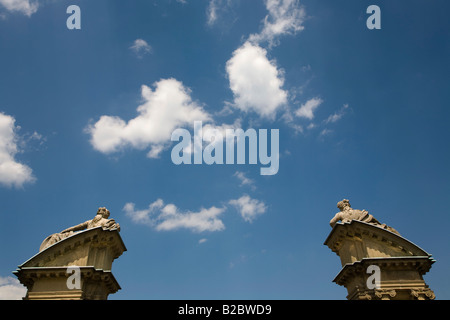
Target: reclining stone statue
(348,214)
(100,220)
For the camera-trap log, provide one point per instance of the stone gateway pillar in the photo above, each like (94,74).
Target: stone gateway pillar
(75,264)
(377,262)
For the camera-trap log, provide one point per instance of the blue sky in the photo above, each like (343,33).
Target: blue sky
(86,117)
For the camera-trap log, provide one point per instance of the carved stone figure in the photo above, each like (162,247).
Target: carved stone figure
(348,214)
(377,263)
(100,220)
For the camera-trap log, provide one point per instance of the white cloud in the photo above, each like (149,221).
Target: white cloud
(27,7)
(155,151)
(337,115)
(307,109)
(217,9)
(167,107)
(168,217)
(244,180)
(249,208)
(211,11)
(334,117)
(140,47)
(288,118)
(202,240)
(11,289)
(12,173)
(255,81)
(325,132)
(284,17)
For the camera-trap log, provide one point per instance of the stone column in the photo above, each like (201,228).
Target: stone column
(369,252)
(88,255)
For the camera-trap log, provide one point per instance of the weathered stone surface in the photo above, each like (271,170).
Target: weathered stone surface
(50,283)
(100,220)
(363,242)
(355,240)
(92,251)
(401,279)
(348,214)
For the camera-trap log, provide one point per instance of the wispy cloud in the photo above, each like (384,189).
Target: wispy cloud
(325,132)
(26,7)
(307,109)
(337,115)
(140,47)
(245,181)
(284,17)
(211,11)
(216,9)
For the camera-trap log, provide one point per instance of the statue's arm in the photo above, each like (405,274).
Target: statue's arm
(78,227)
(336,218)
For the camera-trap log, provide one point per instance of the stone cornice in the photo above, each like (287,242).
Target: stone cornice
(349,271)
(90,237)
(358,229)
(28,276)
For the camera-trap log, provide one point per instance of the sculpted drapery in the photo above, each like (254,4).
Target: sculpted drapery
(100,220)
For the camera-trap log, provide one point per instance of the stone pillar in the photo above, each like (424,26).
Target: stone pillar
(369,252)
(87,254)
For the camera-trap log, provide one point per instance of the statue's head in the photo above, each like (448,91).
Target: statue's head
(343,204)
(104,212)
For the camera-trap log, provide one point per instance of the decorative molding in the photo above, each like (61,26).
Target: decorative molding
(92,251)
(401,264)
(423,294)
(385,294)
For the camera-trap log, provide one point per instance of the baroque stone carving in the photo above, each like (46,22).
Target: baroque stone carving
(85,251)
(91,252)
(385,294)
(423,294)
(362,243)
(348,214)
(100,220)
